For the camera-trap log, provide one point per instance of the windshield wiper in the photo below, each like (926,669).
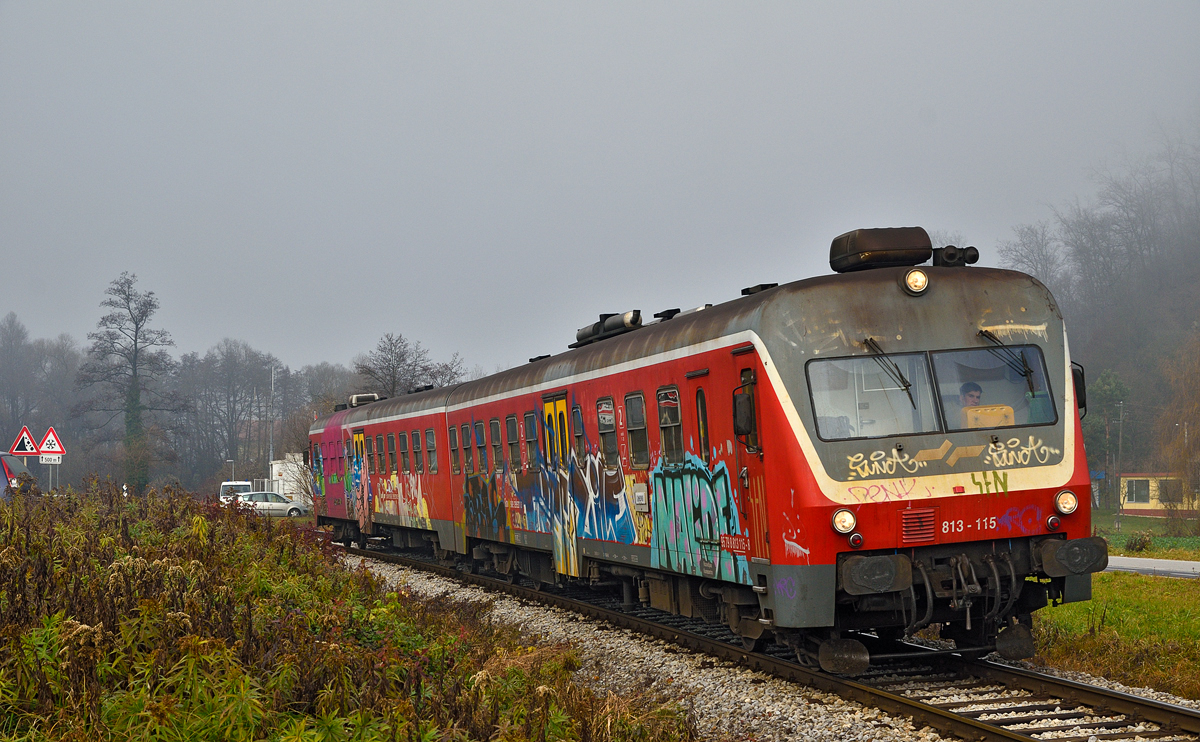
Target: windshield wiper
(890,368)
(1013,359)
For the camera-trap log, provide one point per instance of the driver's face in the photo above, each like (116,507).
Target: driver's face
(971,399)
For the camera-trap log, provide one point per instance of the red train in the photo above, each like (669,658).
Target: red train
(856,454)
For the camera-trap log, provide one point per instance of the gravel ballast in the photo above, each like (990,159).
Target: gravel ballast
(726,701)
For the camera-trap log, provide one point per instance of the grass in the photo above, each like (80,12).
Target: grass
(1137,629)
(1156,538)
(163,618)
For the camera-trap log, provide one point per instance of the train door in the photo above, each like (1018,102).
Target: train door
(748,458)
(556,434)
(358,496)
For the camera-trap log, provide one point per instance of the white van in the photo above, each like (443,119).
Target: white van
(230,490)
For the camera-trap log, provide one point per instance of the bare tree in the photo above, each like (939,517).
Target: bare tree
(127,361)
(397,366)
(1037,251)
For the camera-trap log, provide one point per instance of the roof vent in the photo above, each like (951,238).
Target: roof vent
(357,400)
(752,290)
(666,314)
(340,407)
(608,326)
(879,248)
(535,359)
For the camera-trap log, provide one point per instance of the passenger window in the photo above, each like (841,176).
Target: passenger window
(418,464)
(380,464)
(531,424)
(670,427)
(514,442)
(562,439)
(607,425)
(635,425)
(431,450)
(468,456)
(391,450)
(702,427)
(577,423)
(453,433)
(402,441)
(497,445)
(481,447)
(551,448)
(368,455)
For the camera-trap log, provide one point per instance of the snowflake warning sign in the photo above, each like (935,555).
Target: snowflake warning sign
(51,444)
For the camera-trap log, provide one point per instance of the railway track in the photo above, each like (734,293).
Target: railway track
(967,698)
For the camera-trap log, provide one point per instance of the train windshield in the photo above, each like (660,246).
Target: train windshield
(873,396)
(997,387)
(887,395)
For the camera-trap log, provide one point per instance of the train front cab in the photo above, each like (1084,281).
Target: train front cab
(938,452)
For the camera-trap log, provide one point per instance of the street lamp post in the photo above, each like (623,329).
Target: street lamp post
(232,470)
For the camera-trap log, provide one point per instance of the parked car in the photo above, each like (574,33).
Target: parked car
(271,503)
(11,467)
(231,489)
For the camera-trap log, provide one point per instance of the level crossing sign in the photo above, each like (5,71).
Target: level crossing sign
(51,444)
(24,445)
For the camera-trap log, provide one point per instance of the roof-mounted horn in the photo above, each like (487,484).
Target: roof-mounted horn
(879,248)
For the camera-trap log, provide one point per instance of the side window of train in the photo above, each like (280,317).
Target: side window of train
(468,456)
(551,447)
(635,427)
(402,441)
(670,425)
(562,439)
(453,434)
(531,426)
(606,416)
(392,453)
(577,429)
(431,450)
(481,447)
(418,462)
(745,420)
(513,440)
(702,427)
(368,454)
(497,445)
(380,462)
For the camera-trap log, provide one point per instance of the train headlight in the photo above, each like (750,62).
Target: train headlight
(916,281)
(1065,502)
(844,521)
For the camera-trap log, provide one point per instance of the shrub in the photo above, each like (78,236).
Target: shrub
(162,617)
(1140,541)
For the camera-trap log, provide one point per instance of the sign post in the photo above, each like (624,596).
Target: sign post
(50,452)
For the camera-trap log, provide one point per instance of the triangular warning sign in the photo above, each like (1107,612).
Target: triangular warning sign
(50,443)
(24,445)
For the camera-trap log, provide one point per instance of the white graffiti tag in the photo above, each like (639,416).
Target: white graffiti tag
(882,462)
(1015,453)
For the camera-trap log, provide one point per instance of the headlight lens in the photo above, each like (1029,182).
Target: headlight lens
(1065,502)
(844,521)
(916,281)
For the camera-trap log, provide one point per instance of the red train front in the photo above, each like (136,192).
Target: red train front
(855,454)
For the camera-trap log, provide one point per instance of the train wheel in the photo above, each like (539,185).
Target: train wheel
(752,643)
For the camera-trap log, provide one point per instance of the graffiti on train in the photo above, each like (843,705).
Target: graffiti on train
(693,509)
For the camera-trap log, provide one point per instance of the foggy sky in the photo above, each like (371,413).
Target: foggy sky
(486,178)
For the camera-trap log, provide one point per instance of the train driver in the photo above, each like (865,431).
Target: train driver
(970,394)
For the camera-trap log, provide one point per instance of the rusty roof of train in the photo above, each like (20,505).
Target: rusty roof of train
(858,297)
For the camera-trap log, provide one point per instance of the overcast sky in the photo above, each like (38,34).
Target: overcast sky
(486,178)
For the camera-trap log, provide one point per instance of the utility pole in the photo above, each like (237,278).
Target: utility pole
(271,414)
(1120,441)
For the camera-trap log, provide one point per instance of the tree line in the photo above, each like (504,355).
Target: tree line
(128,409)
(1124,265)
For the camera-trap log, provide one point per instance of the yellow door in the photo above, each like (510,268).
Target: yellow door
(566,515)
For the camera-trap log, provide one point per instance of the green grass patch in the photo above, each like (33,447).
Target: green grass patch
(1155,538)
(163,618)
(1137,629)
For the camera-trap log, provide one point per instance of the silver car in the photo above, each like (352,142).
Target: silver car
(271,503)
